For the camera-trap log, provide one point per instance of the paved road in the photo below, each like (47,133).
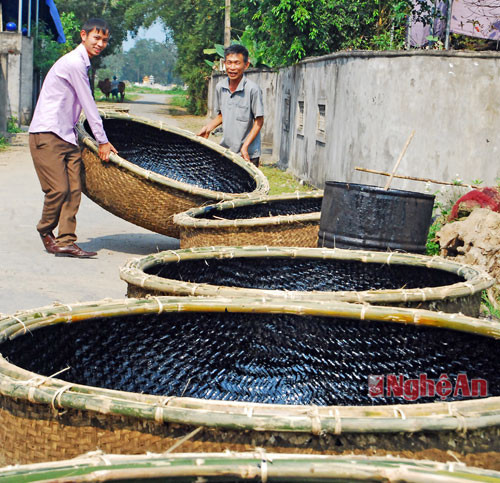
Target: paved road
(31,277)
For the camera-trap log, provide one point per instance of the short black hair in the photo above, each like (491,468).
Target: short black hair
(96,23)
(236,49)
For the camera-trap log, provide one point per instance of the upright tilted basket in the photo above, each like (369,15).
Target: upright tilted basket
(290,219)
(296,273)
(214,374)
(160,171)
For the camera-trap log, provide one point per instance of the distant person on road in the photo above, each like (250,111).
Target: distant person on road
(114,87)
(53,141)
(240,107)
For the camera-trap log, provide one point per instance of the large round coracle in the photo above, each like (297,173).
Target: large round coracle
(258,358)
(160,171)
(310,273)
(176,157)
(276,220)
(276,207)
(236,373)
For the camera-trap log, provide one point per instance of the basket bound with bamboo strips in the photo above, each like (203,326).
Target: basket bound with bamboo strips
(161,170)
(209,374)
(278,220)
(257,466)
(321,274)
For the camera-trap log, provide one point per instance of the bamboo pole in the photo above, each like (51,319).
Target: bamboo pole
(389,181)
(249,465)
(414,178)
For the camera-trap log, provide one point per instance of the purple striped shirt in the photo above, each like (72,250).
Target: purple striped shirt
(65,91)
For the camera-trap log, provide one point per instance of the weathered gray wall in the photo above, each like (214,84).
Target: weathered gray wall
(19,51)
(3,94)
(372,102)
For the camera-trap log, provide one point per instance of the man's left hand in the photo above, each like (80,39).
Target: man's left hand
(105,150)
(244,154)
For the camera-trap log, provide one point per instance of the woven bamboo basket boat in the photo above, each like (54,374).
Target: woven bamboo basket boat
(160,171)
(290,219)
(210,374)
(256,466)
(320,274)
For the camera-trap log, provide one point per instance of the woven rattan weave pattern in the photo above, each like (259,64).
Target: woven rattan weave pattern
(176,157)
(270,358)
(302,274)
(269,208)
(303,234)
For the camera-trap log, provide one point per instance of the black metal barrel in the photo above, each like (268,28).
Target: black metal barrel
(359,216)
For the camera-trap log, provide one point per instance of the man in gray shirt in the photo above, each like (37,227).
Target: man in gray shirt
(240,108)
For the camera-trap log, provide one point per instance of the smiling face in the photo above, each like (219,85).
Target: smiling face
(95,41)
(235,66)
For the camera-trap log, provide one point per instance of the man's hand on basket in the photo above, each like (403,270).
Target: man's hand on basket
(105,150)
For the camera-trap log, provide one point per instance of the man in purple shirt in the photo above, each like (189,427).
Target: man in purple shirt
(54,143)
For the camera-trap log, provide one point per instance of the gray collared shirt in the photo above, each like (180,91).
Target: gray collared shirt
(239,110)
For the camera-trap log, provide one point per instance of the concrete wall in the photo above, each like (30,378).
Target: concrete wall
(19,51)
(359,108)
(3,94)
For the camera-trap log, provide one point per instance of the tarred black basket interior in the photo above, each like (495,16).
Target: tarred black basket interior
(302,274)
(300,206)
(255,357)
(175,157)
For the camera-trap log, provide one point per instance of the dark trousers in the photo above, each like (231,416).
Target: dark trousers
(57,164)
(255,161)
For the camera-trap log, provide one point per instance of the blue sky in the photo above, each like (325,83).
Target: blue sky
(155,32)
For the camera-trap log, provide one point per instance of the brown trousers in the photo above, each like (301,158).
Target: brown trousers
(57,164)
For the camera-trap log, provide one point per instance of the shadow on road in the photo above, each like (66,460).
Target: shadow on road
(133,243)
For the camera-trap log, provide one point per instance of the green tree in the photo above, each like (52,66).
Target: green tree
(113,11)
(293,29)
(194,26)
(281,32)
(47,50)
(150,57)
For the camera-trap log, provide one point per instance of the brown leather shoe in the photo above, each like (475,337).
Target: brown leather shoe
(49,242)
(72,250)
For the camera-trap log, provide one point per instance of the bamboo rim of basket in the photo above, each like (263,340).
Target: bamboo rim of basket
(133,272)
(458,416)
(189,218)
(251,465)
(262,184)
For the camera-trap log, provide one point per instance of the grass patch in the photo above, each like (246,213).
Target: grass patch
(3,143)
(283,182)
(490,302)
(12,125)
(432,246)
(152,90)
(110,100)
(178,101)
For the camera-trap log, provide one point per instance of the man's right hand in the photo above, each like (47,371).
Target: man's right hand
(204,132)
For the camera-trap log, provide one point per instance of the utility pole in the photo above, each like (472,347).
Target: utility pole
(227,24)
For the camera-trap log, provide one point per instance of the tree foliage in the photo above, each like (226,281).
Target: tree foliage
(279,32)
(195,26)
(293,29)
(47,50)
(147,57)
(113,11)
